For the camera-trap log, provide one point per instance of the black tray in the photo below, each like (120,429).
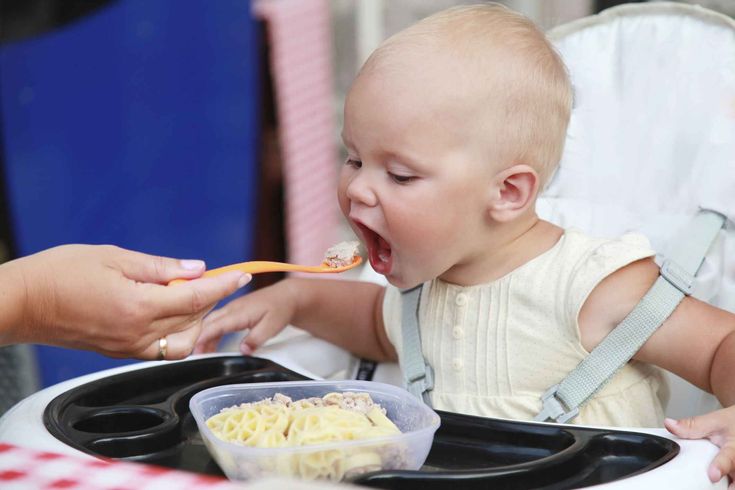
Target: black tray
(143,415)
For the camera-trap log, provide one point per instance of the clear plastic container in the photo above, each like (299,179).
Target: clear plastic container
(334,461)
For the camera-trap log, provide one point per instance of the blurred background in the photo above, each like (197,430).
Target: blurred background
(187,128)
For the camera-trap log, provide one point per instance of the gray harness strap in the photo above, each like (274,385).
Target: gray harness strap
(417,373)
(561,402)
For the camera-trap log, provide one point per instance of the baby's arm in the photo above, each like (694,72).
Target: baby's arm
(693,342)
(346,313)
(697,342)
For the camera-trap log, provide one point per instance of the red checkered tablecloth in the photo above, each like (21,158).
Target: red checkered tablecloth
(29,469)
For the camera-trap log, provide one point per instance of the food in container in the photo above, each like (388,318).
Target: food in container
(317,453)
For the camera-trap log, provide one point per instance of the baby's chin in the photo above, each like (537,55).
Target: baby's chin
(395,278)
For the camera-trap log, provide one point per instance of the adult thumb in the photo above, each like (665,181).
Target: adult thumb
(160,270)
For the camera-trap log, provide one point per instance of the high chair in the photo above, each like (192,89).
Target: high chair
(650,149)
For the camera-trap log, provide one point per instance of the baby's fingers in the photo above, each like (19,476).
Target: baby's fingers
(266,328)
(699,427)
(262,313)
(231,318)
(722,464)
(714,426)
(208,344)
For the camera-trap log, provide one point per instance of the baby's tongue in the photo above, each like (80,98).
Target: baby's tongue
(381,257)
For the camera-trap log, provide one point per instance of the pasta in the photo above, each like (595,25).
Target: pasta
(282,422)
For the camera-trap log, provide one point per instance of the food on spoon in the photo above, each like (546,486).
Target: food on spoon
(342,254)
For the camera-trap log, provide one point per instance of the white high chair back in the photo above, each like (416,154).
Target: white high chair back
(652,138)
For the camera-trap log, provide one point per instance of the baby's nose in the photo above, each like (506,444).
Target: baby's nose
(360,190)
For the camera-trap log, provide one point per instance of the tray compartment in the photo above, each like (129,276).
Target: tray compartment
(121,419)
(151,390)
(144,414)
(463,441)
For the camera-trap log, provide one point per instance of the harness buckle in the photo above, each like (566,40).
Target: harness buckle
(677,276)
(421,383)
(424,379)
(554,409)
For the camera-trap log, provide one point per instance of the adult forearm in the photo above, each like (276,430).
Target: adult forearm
(345,313)
(13,300)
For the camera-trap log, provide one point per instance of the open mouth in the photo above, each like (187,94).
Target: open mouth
(379,250)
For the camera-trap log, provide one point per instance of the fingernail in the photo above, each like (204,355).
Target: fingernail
(245,349)
(715,474)
(671,421)
(244,279)
(192,264)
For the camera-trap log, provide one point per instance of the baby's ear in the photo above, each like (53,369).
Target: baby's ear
(514,192)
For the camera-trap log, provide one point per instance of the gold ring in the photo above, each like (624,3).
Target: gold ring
(162,348)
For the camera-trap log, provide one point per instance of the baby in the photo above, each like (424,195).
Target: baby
(452,127)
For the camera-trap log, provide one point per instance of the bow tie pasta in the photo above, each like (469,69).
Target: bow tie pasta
(282,422)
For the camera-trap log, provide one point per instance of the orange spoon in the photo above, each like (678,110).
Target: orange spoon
(260,266)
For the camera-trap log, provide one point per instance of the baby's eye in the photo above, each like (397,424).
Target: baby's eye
(401,179)
(351,162)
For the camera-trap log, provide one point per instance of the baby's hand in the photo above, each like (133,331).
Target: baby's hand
(263,313)
(719,428)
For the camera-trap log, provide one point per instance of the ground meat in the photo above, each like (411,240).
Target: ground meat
(348,400)
(342,254)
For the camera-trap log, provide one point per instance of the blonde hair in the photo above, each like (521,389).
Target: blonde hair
(530,93)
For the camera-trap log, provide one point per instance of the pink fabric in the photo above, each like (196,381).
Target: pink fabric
(299,33)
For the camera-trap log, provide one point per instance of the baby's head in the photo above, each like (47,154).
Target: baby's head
(493,73)
(463,97)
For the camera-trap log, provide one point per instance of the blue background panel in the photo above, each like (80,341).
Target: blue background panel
(136,125)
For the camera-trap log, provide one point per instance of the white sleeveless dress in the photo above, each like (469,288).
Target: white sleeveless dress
(497,347)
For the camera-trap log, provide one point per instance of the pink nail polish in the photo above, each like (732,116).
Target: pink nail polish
(192,264)
(244,279)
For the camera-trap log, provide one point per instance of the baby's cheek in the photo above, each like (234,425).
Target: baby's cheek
(343,201)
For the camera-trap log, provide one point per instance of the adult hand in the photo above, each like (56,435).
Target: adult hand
(719,428)
(111,300)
